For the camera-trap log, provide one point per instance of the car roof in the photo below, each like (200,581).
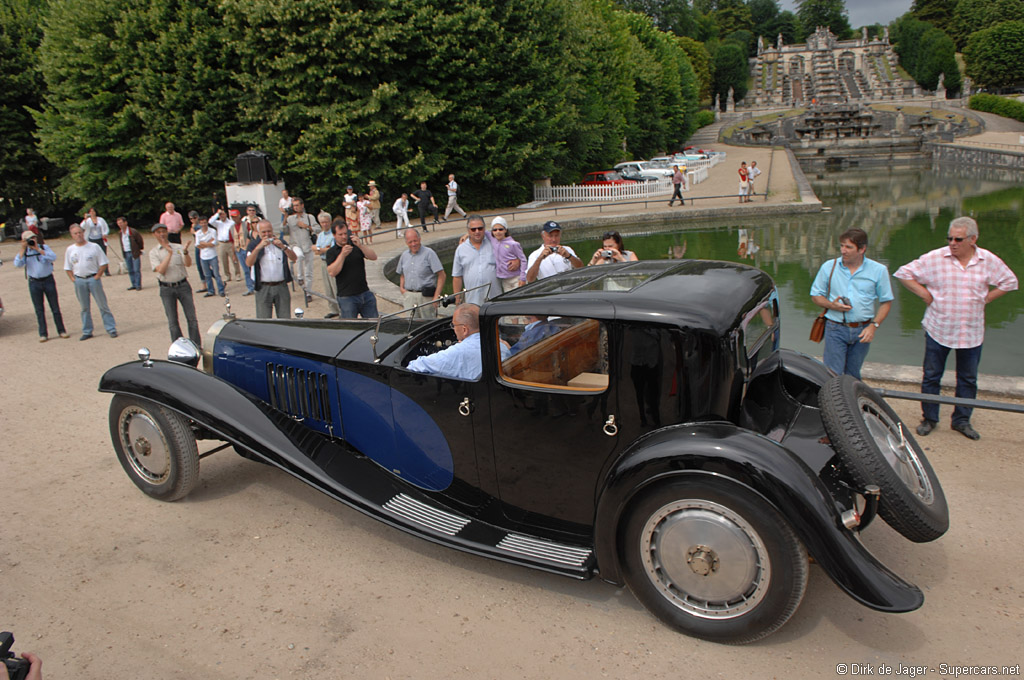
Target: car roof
(700,294)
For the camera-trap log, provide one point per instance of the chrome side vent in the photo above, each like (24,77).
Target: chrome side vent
(300,393)
(545,550)
(430,517)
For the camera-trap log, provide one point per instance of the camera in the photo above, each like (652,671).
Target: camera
(32,243)
(607,254)
(554,249)
(17,669)
(845,300)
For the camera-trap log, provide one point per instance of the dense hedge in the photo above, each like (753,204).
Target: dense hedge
(705,117)
(926,52)
(1001,106)
(150,100)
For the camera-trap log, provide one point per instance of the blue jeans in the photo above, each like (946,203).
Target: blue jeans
(240,254)
(967,360)
(134,271)
(211,272)
(202,276)
(353,305)
(37,289)
(84,288)
(844,352)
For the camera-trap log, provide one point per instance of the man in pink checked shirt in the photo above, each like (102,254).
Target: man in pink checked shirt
(956,282)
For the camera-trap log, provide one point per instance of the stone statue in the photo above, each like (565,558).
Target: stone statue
(718,105)
(778,42)
(864,33)
(940,89)
(886,34)
(730,102)
(760,45)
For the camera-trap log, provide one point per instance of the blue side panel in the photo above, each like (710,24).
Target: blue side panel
(413,449)
(303,388)
(422,447)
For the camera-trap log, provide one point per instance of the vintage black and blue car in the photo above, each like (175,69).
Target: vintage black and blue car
(655,435)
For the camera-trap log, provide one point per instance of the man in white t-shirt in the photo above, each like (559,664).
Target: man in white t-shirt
(225,251)
(206,242)
(453,198)
(285,205)
(96,229)
(752,175)
(401,210)
(552,257)
(85,263)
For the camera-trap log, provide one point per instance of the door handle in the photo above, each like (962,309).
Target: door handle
(466,407)
(610,428)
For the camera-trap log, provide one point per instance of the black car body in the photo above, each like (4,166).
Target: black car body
(656,436)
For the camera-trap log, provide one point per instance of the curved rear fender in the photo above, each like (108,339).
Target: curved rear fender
(223,409)
(764,467)
(803,366)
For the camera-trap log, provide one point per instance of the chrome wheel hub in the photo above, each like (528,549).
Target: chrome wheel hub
(898,452)
(705,559)
(144,445)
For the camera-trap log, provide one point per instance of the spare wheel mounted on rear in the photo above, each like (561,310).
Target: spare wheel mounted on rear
(876,447)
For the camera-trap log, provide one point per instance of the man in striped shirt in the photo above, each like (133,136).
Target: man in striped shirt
(956,282)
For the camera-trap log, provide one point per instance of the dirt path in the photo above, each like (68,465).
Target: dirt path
(256,575)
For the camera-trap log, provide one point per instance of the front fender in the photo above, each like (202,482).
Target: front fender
(765,467)
(226,411)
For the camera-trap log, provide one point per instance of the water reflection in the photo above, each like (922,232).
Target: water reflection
(904,212)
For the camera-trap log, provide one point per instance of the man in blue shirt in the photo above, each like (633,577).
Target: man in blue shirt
(462,360)
(38,259)
(848,288)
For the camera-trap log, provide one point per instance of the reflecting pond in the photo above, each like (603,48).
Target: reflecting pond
(905,212)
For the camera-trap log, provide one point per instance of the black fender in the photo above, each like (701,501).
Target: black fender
(725,451)
(806,367)
(229,413)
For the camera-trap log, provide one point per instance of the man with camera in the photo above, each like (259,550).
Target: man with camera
(346,262)
(301,230)
(552,257)
(849,287)
(37,258)
(268,256)
(169,262)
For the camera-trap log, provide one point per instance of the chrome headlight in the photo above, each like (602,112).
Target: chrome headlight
(184,351)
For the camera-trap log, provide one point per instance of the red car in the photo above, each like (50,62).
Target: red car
(604,177)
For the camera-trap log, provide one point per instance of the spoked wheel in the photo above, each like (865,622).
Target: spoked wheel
(713,561)
(876,447)
(155,447)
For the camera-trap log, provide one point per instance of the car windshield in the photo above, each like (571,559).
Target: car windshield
(405,322)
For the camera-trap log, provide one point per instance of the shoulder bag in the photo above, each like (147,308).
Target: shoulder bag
(818,327)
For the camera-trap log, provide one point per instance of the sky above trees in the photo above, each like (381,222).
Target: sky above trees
(865,12)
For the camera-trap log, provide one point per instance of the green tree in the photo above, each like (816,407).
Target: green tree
(674,16)
(831,13)
(925,52)
(27,179)
(730,71)
(87,124)
(185,97)
(993,56)
(763,14)
(938,13)
(700,61)
(788,25)
(731,16)
(974,15)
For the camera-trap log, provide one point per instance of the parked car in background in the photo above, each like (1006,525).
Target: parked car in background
(605,177)
(638,421)
(49,226)
(642,171)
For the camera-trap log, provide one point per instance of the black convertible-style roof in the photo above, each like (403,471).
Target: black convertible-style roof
(702,294)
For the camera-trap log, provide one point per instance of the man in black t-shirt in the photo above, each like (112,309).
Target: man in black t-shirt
(346,262)
(424,202)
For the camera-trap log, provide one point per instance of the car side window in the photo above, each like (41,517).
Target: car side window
(568,353)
